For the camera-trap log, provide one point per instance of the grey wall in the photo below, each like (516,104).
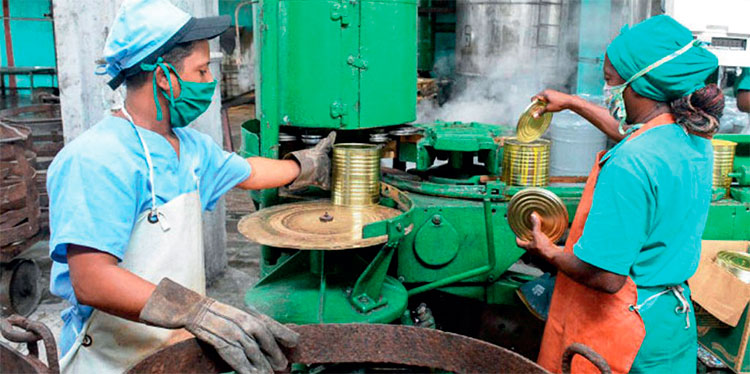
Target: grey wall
(80,32)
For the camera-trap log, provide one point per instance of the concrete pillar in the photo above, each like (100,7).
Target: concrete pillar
(80,33)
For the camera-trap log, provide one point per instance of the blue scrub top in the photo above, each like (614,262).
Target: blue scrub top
(98,186)
(650,208)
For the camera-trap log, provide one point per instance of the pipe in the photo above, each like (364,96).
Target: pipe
(593,37)
(482,270)
(8,44)
(237,54)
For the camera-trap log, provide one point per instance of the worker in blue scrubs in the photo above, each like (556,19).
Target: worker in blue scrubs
(621,285)
(126,199)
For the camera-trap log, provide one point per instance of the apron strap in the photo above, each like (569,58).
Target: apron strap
(155,215)
(677,290)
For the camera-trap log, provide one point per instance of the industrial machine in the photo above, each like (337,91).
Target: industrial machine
(442,220)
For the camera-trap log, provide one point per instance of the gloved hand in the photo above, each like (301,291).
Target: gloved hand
(248,342)
(315,165)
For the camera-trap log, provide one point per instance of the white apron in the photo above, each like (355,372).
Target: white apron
(171,247)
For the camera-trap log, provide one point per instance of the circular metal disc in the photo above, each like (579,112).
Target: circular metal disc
(20,292)
(548,205)
(315,225)
(529,128)
(736,263)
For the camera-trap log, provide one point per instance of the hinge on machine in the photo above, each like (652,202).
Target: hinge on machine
(338,109)
(340,12)
(357,62)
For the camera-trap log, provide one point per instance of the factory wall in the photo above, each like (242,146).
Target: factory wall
(85,98)
(32,38)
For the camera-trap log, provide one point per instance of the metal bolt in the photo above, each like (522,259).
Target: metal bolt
(326,217)
(363,299)
(437,220)
(399,227)
(350,59)
(401,278)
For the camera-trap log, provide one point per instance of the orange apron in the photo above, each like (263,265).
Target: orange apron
(580,314)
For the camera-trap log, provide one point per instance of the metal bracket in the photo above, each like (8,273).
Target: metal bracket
(366,294)
(340,12)
(396,227)
(357,62)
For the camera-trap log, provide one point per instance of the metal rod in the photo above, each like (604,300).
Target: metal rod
(8,45)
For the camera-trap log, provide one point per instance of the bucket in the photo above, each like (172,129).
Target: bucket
(356,174)
(526,164)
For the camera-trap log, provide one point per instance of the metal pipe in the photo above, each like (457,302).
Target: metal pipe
(8,45)
(593,37)
(491,258)
(237,54)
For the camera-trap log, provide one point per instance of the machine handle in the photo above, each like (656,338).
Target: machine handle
(30,334)
(587,353)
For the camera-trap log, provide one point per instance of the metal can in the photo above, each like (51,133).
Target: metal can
(723,162)
(356,174)
(526,164)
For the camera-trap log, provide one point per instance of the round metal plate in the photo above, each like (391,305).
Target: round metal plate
(20,292)
(315,225)
(736,263)
(529,128)
(548,205)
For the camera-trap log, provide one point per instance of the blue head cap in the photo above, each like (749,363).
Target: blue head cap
(143,30)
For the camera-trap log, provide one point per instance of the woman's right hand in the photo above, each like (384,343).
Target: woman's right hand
(556,101)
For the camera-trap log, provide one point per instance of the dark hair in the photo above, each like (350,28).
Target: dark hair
(175,56)
(700,111)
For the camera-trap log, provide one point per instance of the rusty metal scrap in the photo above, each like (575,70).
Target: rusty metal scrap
(12,361)
(359,343)
(586,352)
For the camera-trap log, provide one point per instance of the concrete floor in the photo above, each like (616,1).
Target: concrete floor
(243,256)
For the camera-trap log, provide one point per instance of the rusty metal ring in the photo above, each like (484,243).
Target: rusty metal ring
(587,353)
(17,336)
(34,331)
(359,343)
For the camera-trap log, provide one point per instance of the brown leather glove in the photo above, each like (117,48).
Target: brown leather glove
(315,165)
(247,341)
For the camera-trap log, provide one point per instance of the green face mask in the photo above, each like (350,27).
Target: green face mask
(194,99)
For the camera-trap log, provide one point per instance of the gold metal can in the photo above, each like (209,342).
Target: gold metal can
(723,162)
(356,174)
(526,164)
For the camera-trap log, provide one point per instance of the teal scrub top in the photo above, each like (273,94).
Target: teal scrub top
(743,82)
(650,207)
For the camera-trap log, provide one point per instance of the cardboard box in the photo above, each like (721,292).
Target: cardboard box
(726,298)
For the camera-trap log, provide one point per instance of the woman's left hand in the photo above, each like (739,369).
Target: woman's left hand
(540,244)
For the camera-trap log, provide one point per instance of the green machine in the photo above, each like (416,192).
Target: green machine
(351,66)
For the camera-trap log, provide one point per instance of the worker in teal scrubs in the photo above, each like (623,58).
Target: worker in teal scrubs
(652,195)
(742,92)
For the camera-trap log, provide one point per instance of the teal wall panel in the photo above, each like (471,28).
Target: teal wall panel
(245,16)
(32,37)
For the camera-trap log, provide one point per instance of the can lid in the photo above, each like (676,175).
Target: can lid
(530,128)
(737,263)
